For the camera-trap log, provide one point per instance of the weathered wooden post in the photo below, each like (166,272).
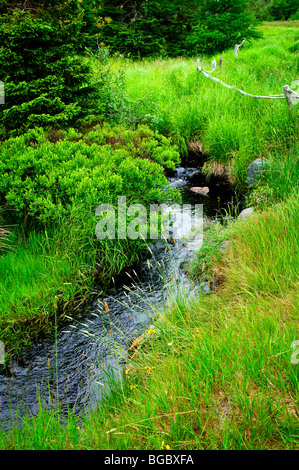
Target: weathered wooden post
(290,95)
(2,93)
(237,46)
(220,62)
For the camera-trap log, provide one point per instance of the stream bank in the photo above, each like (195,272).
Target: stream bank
(79,361)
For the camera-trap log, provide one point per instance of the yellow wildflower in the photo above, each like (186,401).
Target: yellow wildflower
(165,446)
(148,369)
(151,331)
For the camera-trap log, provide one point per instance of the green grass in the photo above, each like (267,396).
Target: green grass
(217,373)
(53,272)
(233,129)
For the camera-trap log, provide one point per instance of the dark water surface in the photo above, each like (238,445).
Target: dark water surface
(78,361)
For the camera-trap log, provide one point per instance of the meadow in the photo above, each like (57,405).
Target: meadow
(220,370)
(229,128)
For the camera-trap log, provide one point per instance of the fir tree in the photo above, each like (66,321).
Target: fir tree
(46,84)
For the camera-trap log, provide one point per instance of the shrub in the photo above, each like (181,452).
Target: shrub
(42,180)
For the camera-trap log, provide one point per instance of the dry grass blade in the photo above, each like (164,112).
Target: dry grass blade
(149,419)
(3,236)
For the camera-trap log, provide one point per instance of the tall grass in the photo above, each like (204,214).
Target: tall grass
(50,272)
(233,129)
(217,373)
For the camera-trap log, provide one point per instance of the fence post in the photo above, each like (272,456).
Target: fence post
(2,353)
(237,46)
(2,93)
(288,95)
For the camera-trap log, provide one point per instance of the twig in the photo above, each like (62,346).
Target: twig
(214,65)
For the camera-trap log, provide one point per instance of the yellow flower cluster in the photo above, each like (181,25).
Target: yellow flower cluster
(165,446)
(150,331)
(148,369)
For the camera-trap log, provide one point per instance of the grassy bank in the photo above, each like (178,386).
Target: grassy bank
(53,272)
(219,371)
(230,128)
(51,186)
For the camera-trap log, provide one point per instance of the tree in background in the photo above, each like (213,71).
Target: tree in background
(275,10)
(172,28)
(46,83)
(221,24)
(282,9)
(147,27)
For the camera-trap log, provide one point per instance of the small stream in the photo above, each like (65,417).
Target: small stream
(86,352)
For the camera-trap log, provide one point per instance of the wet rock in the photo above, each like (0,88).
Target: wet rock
(254,170)
(205,287)
(180,172)
(201,190)
(175,184)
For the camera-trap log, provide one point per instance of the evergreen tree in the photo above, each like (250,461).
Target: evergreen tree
(147,27)
(222,24)
(274,10)
(172,28)
(46,84)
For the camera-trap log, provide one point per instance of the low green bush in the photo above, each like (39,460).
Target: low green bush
(41,180)
(50,186)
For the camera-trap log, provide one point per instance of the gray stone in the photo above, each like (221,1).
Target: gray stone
(204,287)
(246,213)
(254,170)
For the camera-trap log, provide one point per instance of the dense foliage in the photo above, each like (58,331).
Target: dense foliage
(148,27)
(45,83)
(144,28)
(50,186)
(275,10)
(43,180)
(220,25)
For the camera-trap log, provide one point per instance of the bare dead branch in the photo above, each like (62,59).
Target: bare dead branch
(214,65)
(237,46)
(290,95)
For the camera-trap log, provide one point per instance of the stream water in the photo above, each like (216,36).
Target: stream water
(77,363)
